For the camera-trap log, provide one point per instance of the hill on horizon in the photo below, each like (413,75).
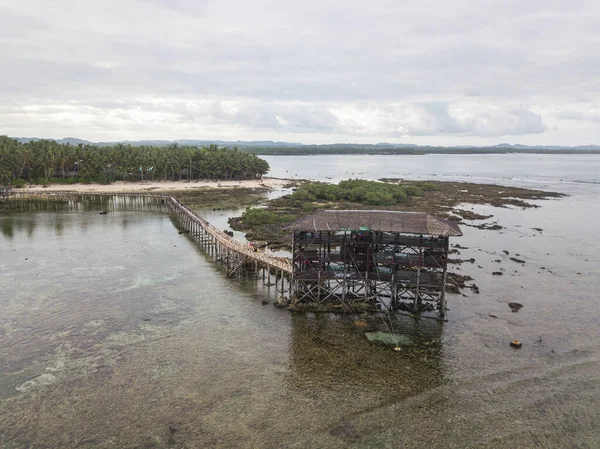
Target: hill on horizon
(300,148)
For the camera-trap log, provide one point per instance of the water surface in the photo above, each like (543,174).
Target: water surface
(116,331)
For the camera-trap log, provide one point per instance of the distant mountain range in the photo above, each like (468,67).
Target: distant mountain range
(162,143)
(272,147)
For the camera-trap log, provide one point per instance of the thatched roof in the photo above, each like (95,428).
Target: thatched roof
(376,220)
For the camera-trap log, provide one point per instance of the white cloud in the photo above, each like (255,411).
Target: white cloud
(442,72)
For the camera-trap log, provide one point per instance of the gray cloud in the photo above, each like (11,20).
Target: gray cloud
(584,115)
(437,71)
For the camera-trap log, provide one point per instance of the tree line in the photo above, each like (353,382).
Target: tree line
(45,161)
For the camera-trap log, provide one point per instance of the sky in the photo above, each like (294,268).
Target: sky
(433,72)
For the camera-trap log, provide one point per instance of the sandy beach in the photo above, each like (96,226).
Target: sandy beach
(145,186)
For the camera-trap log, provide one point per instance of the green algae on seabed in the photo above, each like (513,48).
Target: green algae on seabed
(389,339)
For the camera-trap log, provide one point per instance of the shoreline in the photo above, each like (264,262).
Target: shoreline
(453,200)
(157,186)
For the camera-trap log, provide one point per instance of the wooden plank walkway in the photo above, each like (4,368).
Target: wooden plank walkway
(225,240)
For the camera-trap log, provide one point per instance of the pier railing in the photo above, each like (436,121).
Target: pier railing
(228,242)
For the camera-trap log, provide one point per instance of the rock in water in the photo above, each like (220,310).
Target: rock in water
(515,306)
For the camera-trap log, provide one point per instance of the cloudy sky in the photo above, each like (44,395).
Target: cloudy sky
(445,72)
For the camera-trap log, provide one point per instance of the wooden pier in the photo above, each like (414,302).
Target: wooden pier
(239,259)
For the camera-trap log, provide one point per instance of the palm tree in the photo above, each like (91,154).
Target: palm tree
(26,156)
(49,153)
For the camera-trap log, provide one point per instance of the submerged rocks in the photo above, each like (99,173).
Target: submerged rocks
(470,215)
(388,339)
(345,430)
(360,323)
(36,382)
(487,226)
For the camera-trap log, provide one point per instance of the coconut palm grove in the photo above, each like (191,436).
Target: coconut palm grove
(46,161)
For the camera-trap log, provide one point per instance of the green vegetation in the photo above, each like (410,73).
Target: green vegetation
(45,161)
(372,193)
(260,217)
(432,197)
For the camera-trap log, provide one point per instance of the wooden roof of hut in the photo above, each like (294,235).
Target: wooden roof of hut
(376,220)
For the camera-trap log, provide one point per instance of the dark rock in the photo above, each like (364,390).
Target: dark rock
(497,273)
(497,261)
(514,259)
(515,306)
(487,226)
(537,229)
(104,212)
(345,430)
(470,215)
(264,302)
(505,252)
(493,316)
